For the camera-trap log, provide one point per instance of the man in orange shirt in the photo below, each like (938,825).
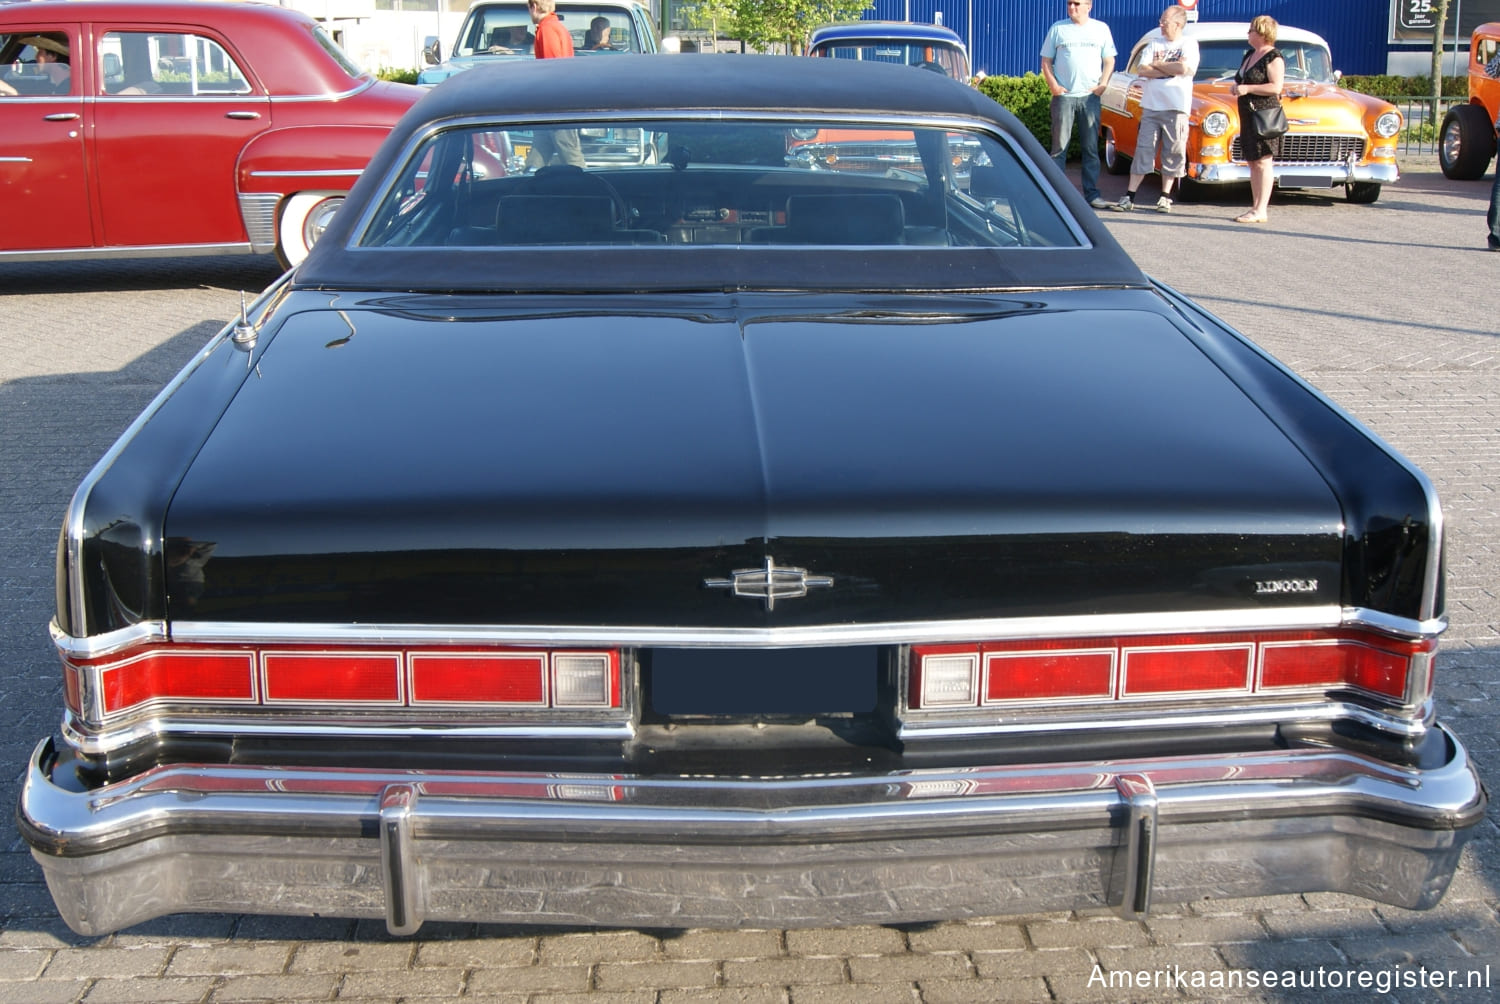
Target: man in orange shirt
(552,42)
(552,39)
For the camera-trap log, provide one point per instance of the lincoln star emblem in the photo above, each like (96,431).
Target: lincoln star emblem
(771,583)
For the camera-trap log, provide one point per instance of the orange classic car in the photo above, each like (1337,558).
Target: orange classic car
(1338,138)
(161,128)
(1467,141)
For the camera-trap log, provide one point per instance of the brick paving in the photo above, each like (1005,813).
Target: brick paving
(1389,309)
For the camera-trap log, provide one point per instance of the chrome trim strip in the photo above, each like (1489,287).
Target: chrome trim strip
(185,97)
(15,160)
(808,636)
(1111,717)
(73,520)
(297,99)
(99,645)
(330,173)
(134,251)
(141,729)
(1399,627)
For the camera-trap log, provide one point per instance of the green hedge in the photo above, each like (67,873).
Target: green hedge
(401,76)
(1029,100)
(1386,86)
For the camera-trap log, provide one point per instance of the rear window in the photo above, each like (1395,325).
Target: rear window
(940,57)
(506,30)
(715,182)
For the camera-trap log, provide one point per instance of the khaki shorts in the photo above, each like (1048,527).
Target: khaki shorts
(1166,131)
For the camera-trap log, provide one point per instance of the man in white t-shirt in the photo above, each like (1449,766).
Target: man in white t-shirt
(1166,71)
(1078,55)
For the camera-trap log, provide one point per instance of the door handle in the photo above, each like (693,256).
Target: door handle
(61,117)
(242,115)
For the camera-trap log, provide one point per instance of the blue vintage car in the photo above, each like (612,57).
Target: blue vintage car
(930,46)
(720,541)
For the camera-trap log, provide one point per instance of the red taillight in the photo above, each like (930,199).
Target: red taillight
(187,674)
(462,677)
(198,676)
(1180,666)
(1152,667)
(1072,672)
(71,696)
(329,677)
(1382,670)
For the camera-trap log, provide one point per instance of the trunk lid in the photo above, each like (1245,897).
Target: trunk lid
(589,466)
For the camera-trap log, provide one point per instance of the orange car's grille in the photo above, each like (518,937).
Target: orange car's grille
(871,156)
(1308,148)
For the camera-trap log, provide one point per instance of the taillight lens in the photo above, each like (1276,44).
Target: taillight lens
(191,673)
(329,676)
(1074,670)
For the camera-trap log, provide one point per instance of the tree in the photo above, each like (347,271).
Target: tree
(716,16)
(1437,53)
(768,23)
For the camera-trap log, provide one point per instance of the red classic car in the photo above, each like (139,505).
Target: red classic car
(178,128)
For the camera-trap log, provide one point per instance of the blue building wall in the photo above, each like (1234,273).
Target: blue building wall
(1005,36)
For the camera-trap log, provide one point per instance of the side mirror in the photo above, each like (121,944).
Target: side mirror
(432,50)
(1338,74)
(988,182)
(671,43)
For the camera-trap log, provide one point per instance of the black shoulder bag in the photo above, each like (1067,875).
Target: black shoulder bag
(1270,122)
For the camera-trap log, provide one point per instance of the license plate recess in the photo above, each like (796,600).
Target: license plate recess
(688,682)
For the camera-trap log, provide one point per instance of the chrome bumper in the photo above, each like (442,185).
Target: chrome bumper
(683,852)
(1294,175)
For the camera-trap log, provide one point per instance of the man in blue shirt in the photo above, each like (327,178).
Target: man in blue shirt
(1078,56)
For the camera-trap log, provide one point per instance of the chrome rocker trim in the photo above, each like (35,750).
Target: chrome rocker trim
(133,251)
(905,846)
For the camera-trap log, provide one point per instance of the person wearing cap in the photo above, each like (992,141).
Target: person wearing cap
(51,63)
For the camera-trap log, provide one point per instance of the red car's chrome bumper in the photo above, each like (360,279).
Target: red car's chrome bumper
(725,852)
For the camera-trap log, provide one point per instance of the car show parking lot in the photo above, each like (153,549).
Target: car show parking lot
(1388,310)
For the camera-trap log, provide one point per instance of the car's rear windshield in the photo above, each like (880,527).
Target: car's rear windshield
(941,57)
(505,29)
(716,182)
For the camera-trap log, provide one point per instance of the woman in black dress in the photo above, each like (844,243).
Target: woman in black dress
(1258,85)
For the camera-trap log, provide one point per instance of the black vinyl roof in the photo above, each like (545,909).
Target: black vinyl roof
(701,80)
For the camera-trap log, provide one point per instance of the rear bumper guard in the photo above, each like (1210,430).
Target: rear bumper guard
(906,846)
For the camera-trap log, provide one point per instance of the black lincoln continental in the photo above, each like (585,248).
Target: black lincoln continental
(756,492)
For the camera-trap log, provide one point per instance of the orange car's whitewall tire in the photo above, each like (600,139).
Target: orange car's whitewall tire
(1115,160)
